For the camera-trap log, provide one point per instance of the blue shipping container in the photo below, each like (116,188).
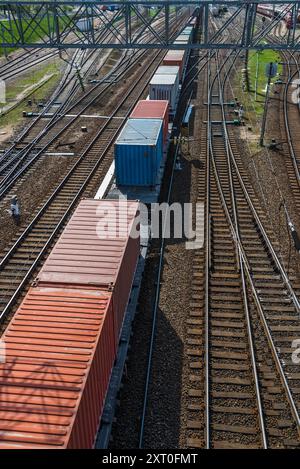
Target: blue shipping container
(139,152)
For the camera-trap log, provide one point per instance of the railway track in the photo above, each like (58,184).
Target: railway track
(291,123)
(14,68)
(28,59)
(43,134)
(19,151)
(250,308)
(243,389)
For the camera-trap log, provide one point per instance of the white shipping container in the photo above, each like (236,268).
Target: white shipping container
(169,70)
(175,52)
(165,87)
(84,25)
(182,39)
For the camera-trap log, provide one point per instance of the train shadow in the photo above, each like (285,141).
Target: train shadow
(164,415)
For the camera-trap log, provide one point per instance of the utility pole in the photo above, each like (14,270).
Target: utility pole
(271,71)
(263,125)
(247,80)
(77,68)
(256,73)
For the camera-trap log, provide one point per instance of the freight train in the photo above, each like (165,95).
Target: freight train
(62,347)
(270,12)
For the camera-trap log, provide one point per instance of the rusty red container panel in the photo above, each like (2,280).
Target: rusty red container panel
(99,248)
(175,58)
(152,109)
(60,350)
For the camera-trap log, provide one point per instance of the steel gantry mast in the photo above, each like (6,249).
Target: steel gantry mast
(73,24)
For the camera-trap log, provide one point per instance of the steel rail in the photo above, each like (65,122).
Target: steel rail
(240,259)
(21,156)
(235,233)
(63,84)
(207,266)
(265,236)
(286,117)
(275,355)
(263,232)
(8,181)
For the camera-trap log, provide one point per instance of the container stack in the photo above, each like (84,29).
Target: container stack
(61,344)
(151,109)
(165,86)
(188,31)
(175,58)
(182,39)
(168,70)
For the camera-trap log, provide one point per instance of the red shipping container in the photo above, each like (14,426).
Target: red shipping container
(175,58)
(61,344)
(99,247)
(150,109)
(60,350)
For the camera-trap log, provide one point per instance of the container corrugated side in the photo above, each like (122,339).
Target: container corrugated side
(182,38)
(153,109)
(187,30)
(139,152)
(165,87)
(168,71)
(97,249)
(60,350)
(175,58)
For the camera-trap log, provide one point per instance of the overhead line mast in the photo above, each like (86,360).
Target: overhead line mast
(54,23)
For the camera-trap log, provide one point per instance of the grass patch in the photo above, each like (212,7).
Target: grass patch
(264,57)
(15,116)
(254,108)
(30,79)
(9,32)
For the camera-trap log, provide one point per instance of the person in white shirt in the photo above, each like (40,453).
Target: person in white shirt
(241,112)
(15,210)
